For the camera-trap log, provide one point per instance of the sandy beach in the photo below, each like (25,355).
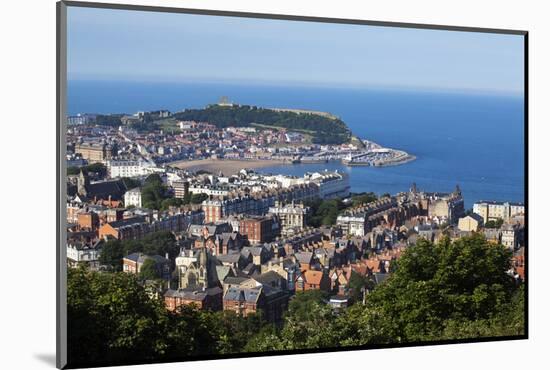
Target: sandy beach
(227,167)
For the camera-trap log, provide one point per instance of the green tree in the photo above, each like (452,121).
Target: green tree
(153,192)
(303,302)
(308,324)
(198,198)
(97,168)
(111,254)
(357,283)
(324,212)
(112,120)
(171,202)
(464,280)
(131,183)
(324,129)
(149,270)
(111,319)
(494,224)
(363,198)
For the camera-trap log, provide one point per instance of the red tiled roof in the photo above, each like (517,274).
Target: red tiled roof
(312,277)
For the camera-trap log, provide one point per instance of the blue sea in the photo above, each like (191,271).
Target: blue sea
(475,140)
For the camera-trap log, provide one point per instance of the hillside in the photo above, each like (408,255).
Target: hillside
(325,129)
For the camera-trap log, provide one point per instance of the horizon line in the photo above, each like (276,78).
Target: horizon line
(302,83)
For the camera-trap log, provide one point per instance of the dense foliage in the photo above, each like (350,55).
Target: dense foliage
(325,211)
(154,192)
(449,290)
(155,195)
(112,320)
(131,183)
(325,130)
(494,224)
(363,198)
(112,120)
(98,168)
(149,270)
(159,243)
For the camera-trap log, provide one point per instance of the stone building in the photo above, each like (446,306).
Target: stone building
(293,217)
(492,211)
(471,222)
(95,152)
(201,271)
(446,206)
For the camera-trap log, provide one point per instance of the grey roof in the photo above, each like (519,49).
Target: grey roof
(329,252)
(304,257)
(222,272)
(104,189)
(235,280)
(140,258)
(229,258)
(268,277)
(255,251)
(192,293)
(127,222)
(243,294)
(249,269)
(501,203)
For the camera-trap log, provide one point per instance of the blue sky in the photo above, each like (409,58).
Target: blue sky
(146,46)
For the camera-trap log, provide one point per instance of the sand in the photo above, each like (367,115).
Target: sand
(226,166)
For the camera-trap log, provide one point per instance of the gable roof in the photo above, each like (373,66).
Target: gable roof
(103,189)
(229,258)
(304,257)
(250,295)
(312,276)
(268,278)
(140,258)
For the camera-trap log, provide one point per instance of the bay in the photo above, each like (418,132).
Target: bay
(475,140)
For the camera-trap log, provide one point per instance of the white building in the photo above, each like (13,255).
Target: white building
(292,216)
(210,189)
(130,168)
(352,224)
(79,252)
(133,198)
(510,236)
(331,184)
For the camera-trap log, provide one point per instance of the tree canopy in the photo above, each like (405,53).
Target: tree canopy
(494,224)
(324,212)
(159,243)
(149,270)
(326,130)
(447,290)
(98,168)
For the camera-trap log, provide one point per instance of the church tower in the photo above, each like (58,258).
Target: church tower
(83,183)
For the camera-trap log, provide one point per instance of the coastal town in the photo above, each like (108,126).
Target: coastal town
(155,138)
(180,205)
